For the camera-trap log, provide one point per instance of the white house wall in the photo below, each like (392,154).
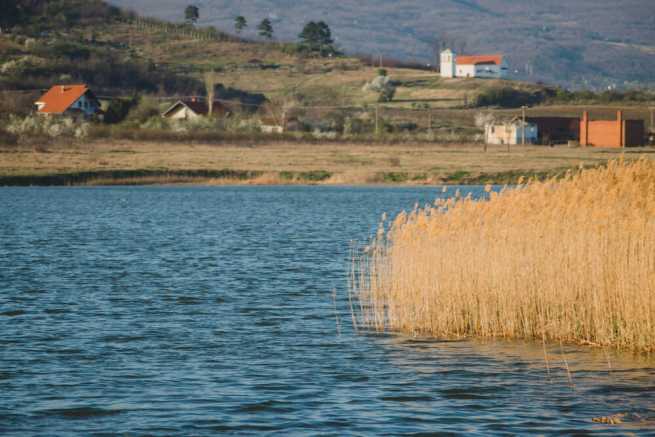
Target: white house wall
(183,113)
(466,71)
(510,134)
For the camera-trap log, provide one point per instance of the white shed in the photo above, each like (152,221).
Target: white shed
(510,133)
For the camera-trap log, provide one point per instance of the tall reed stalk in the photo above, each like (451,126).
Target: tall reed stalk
(569,260)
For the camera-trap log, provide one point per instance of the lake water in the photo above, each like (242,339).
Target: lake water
(201,310)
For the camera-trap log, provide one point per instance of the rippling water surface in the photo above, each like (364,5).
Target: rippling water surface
(194,311)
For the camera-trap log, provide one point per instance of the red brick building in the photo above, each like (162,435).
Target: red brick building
(611,133)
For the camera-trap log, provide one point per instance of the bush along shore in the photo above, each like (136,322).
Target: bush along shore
(166,177)
(569,261)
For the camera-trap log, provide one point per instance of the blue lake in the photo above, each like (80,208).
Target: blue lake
(205,310)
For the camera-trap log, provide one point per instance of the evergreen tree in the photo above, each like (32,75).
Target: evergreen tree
(316,37)
(265,29)
(10,14)
(191,14)
(240,23)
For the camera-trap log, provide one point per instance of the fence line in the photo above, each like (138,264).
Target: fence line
(255,105)
(201,34)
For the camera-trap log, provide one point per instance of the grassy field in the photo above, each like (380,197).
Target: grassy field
(284,163)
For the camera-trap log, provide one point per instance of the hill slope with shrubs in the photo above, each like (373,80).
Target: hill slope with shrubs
(581,44)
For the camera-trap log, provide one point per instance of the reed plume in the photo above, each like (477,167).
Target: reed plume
(569,260)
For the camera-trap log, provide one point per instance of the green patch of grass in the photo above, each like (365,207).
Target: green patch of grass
(391,177)
(513,177)
(458,176)
(398,177)
(125,177)
(418,83)
(305,176)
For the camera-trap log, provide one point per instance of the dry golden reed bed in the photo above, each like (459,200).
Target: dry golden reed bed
(566,261)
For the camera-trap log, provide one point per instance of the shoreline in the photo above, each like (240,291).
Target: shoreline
(115,163)
(229,177)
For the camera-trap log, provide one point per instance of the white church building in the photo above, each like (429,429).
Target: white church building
(483,66)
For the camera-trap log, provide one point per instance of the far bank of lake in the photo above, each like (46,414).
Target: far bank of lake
(147,163)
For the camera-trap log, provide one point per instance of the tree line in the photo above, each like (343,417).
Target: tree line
(314,39)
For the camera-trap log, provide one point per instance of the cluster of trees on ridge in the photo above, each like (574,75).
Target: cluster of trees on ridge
(314,39)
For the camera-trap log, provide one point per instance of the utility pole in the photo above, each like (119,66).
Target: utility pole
(429,122)
(523,124)
(377,119)
(652,119)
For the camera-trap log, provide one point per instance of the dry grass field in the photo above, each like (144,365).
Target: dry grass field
(328,163)
(570,260)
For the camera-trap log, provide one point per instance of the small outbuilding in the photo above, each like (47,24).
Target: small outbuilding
(68,100)
(611,133)
(193,109)
(278,125)
(510,132)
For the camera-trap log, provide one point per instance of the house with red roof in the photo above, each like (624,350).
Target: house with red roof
(481,66)
(69,100)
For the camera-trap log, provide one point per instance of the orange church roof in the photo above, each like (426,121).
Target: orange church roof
(60,97)
(480,59)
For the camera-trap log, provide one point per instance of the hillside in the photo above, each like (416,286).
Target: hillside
(120,54)
(581,44)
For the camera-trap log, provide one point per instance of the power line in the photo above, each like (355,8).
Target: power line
(23,91)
